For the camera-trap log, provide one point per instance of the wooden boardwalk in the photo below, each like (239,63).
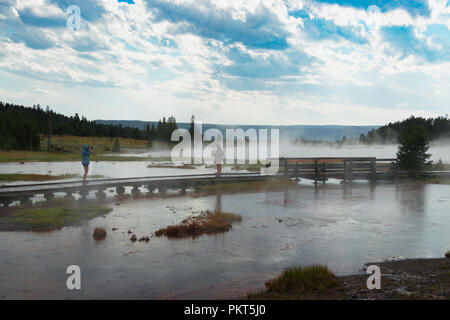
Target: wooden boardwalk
(24,192)
(321,169)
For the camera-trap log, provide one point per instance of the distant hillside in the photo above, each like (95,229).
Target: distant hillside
(292,132)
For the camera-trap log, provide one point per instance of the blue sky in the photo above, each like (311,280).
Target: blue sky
(230,61)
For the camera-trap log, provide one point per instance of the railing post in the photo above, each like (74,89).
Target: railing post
(6,202)
(100,194)
(316,172)
(374,169)
(324,172)
(120,190)
(345,170)
(351,170)
(49,196)
(395,171)
(25,200)
(150,188)
(135,191)
(286,173)
(69,195)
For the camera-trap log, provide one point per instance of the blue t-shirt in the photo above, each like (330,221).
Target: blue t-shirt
(85,155)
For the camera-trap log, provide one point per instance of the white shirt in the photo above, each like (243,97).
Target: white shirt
(218,155)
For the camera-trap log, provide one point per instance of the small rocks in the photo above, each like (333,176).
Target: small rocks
(171,209)
(115,229)
(99,234)
(146,239)
(142,239)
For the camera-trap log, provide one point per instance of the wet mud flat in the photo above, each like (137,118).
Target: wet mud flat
(404,279)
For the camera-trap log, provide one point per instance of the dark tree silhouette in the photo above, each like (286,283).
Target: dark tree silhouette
(435,128)
(21,127)
(412,151)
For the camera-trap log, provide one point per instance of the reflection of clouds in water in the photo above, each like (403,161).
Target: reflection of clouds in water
(326,229)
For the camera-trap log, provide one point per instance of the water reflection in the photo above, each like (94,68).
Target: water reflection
(219,202)
(373,186)
(341,225)
(412,196)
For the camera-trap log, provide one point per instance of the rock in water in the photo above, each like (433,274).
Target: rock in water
(99,234)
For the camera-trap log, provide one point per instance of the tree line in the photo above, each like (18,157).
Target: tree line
(435,129)
(21,127)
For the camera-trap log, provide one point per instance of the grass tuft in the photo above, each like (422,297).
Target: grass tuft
(298,282)
(447,254)
(206,223)
(438,180)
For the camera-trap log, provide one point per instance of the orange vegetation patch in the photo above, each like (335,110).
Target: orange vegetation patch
(207,222)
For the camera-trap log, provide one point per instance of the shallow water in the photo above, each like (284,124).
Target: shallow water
(338,225)
(106,169)
(438,151)
(125,169)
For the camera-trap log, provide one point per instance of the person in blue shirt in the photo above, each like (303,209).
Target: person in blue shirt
(85,159)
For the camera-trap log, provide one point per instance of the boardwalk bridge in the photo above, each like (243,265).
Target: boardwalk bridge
(321,169)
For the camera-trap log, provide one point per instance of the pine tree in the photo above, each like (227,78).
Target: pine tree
(412,151)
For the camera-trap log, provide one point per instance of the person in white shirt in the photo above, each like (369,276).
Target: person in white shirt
(218,159)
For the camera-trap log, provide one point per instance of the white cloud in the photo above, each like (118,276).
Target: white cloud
(147,62)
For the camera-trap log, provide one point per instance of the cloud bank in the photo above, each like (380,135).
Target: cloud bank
(233,61)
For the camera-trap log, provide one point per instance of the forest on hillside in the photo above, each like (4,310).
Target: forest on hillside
(21,127)
(435,128)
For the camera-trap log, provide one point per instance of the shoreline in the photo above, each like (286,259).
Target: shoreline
(408,279)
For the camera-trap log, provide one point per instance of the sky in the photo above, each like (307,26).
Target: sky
(274,62)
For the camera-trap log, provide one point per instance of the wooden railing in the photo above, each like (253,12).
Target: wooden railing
(345,168)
